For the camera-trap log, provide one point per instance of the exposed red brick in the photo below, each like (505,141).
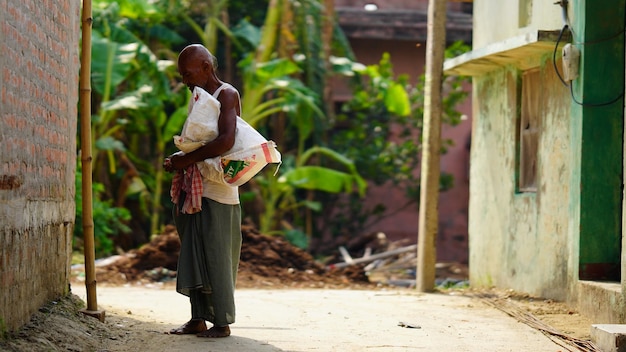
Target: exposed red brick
(39,98)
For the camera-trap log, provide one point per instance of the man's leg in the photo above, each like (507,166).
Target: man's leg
(181,221)
(202,308)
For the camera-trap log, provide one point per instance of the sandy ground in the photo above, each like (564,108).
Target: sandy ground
(289,302)
(326,320)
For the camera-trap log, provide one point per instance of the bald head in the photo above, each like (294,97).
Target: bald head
(196,66)
(196,53)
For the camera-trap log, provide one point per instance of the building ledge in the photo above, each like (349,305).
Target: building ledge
(524,52)
(408,25)
(601,302)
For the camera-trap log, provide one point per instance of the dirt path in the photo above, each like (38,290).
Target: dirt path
(285,302)
(321,320)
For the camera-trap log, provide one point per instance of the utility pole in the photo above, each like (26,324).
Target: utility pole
(431,145)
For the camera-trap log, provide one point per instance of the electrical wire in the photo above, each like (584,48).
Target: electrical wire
(558,41)
(601,40)
(571,87)
(616,99)
(567,26)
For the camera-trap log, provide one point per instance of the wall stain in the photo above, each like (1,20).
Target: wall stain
(8,182)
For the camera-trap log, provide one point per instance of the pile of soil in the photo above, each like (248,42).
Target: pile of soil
(265,262)
(59,326)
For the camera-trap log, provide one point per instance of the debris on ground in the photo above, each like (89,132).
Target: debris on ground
(266,261)
(394,263)
(508,303)
(272,261)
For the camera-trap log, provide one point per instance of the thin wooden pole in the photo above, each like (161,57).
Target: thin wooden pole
(328,22)
(86,158)
(431,145)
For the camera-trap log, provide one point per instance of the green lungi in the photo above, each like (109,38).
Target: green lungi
(209,259)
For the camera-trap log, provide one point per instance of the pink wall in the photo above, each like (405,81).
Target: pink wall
(452,244)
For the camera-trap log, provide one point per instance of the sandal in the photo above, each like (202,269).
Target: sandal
(194,326)
(215,332)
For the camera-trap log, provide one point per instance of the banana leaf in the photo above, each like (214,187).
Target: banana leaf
(320,179)
(397,100)
(110,60)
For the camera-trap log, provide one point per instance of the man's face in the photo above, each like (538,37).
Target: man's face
(193,72)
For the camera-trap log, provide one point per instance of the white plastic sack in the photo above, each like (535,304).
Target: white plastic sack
(187,146)
(248,156)
(250,153)
(239,167)
(200,126)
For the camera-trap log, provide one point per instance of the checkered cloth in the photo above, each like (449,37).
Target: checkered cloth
(190,182)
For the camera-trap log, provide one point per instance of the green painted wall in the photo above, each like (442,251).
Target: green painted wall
(597,137)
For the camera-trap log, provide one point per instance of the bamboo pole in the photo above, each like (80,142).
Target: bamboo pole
(86,160)
(328,23)
(431,145)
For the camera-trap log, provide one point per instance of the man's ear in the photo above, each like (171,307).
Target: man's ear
(207,66)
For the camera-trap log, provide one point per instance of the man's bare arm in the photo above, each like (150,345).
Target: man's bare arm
(227,125)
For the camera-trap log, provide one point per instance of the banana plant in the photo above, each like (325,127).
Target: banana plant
(279,194)
(139,108)
(133,91)
(213,12)
(281,82)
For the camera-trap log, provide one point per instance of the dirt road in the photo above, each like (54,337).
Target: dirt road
(321,320)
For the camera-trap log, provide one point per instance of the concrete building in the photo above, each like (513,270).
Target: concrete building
(546,165)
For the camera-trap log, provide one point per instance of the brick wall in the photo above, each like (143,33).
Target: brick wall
(39,69)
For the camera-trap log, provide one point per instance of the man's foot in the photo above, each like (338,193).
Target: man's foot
(193,326)
(215,331)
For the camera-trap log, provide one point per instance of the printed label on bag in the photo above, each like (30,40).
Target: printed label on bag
(233,167)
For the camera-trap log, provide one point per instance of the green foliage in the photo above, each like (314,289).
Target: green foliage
(381,109)
(250,11)
(284,80)
(288,95)
(298,238)
(320,178)
(136,103)
(108,221)
(282,199)
(380,130)
(283,66)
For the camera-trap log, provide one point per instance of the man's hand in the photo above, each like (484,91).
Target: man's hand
(175,162)
(167,164)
